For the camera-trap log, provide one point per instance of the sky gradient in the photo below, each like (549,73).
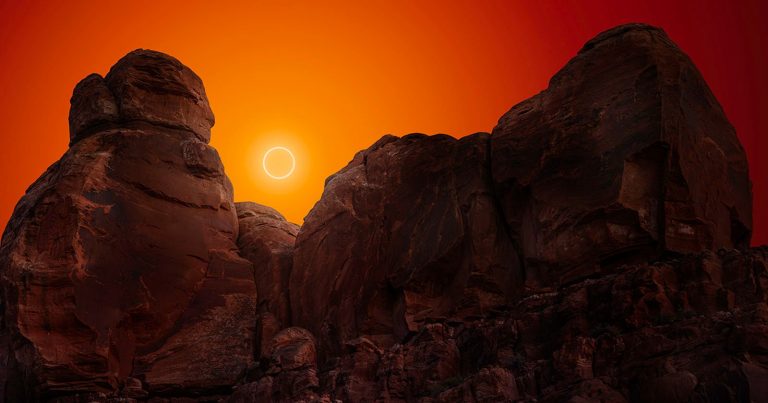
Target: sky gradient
(327,79)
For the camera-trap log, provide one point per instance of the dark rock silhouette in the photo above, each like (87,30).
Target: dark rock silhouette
(291,370)
(593,247)
(409,230)
(626,154)
(266,239)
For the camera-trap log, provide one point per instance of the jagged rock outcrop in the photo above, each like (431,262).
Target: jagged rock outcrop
(691,328)
(407,231)
(266,239)
(290,371)
(144,86)
(594,247)
(119,266)
(626,155)
(481,268)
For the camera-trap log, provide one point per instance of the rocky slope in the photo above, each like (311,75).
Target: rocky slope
(593,247)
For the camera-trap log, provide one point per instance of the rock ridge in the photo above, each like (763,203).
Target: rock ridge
(592,247)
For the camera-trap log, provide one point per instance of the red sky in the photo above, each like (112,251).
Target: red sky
(328,78)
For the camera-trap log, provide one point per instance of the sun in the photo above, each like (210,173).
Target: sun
(278,150)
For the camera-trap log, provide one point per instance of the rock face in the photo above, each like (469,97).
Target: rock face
(408,230)
(693,328)
(460,269)
(594,247)
(144,86)
(291,370)
(626,154)
(266,239)
(120,263)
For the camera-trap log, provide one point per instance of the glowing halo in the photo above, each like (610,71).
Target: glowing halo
(264,163)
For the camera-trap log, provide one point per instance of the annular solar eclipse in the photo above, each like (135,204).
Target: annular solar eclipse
(278,176)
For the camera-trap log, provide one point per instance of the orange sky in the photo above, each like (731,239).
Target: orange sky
(328,78)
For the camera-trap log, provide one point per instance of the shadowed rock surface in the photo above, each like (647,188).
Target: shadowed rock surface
(266,239)
(626,155)
(593,247)
(409,230)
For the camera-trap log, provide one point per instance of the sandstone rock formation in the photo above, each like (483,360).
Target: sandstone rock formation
(119,266)
(594,247)
(291,370)
(407,231)
(626,154)
(693,328)
(266,239)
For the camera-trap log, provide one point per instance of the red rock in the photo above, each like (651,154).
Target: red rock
(408,230)
(695,354)
(267,327)
(266,239)
(575,358)
(592,249)
(626,154)
(674,387)
(595,390)
(153,87)
(358,370)
(291,373)
(416,247)
(120,262)
(260,391)
(93,105)
(293,348)
(489,385)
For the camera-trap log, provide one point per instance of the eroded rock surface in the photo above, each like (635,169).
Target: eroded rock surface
(408,230)
(144,86)
(119,266)
(693,328)
(626,155)
(594,247)
(290,370)
(266,239)
(520,265)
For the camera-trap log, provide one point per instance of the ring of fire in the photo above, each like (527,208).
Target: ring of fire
(264,162)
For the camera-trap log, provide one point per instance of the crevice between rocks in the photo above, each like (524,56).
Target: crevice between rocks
(508,232)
